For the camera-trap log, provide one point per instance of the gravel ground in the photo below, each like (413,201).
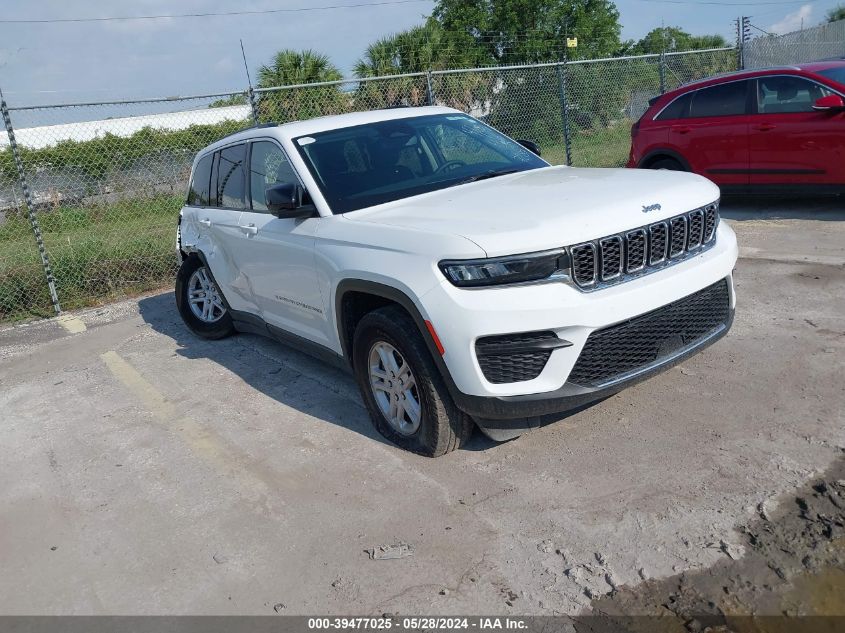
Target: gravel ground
(149,472)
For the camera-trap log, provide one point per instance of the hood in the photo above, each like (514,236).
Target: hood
(547,208)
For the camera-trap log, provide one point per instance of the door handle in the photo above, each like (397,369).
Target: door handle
(249,229)
(764,127)
(206,222)
(680,129)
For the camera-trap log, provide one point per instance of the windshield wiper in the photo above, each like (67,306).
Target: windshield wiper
(488,174)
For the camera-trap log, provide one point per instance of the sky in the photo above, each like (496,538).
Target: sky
(77,62)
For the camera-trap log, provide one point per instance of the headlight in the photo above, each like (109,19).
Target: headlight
(513,269)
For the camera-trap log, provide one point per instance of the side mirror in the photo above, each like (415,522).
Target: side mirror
(284,200)
(531,146)
(828,103)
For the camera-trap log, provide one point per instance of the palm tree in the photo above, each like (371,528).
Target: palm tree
(290,68)
(382,57)
(418,50)
(836,14)
(391,55)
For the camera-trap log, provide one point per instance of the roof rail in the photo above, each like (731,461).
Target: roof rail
(257,126)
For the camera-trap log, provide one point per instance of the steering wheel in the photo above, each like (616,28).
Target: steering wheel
(449,165)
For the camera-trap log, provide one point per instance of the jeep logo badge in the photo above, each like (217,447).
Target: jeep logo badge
(651,207)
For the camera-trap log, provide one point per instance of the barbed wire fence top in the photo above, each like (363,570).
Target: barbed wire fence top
(107,179)
(823,42)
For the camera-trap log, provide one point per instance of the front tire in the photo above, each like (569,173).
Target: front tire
(402,388)
(200,302)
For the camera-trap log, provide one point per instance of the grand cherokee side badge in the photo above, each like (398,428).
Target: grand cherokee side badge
(651,207)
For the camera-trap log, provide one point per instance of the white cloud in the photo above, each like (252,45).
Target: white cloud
(793,21)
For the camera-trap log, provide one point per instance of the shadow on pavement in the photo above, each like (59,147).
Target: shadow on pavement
(275,373)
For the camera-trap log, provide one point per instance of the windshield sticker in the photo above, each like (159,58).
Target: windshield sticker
(305,140)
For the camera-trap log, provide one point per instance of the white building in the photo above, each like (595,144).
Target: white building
(47,135)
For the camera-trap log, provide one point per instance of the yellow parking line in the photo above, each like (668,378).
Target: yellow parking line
(202,441)
(129,376)
(72,324)
(163,409)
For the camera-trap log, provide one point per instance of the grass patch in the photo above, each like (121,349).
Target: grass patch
(606,147)
(97,253)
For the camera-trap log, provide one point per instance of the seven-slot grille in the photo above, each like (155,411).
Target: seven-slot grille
(617,257)
(636,345)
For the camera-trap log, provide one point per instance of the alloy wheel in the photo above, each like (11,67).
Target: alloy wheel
(394,388)
(204,298)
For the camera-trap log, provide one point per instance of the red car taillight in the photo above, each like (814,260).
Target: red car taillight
(635,129)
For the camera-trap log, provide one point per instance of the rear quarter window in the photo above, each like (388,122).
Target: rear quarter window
(677,109)
(198,192)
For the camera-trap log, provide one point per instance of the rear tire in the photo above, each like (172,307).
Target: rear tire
(667,163)
(402,388)
(200,302)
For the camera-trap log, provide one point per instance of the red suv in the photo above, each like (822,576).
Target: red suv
(778,128)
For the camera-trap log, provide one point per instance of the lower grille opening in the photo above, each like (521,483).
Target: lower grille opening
(500,366)
(650,338)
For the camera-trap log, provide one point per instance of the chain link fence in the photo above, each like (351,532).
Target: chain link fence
(826,41)
(107,180)
(23,285)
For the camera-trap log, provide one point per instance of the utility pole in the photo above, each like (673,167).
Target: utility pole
(743,34)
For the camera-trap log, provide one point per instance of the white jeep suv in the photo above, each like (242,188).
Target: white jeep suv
(463,279)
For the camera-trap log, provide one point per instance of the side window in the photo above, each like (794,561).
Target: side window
(723,100)
(678,109)
(268,165)
(198,193)
(231,183)
(777,95)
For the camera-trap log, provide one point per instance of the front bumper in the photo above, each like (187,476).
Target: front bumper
(573,316)
(462,316)
(507,416)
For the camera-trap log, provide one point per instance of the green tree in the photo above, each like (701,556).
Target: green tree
(291,68)
(837,13)
(666,39)
(418,50)
(524,31)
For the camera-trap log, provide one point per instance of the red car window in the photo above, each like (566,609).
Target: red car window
(728,99)
(780,94)
(678,109)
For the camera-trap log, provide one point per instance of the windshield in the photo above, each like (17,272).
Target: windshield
(837,74)
(365,165)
